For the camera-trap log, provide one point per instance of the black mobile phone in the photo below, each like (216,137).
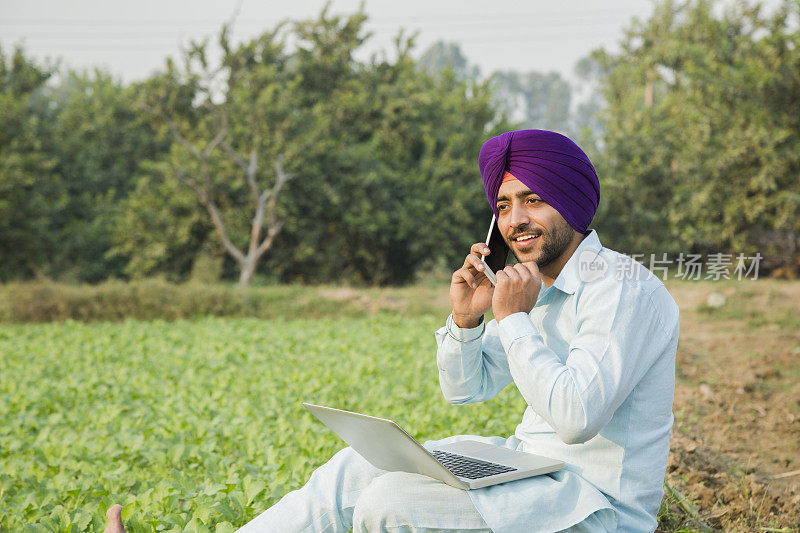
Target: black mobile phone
(497,245)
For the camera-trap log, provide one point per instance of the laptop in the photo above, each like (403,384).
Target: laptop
(465,464)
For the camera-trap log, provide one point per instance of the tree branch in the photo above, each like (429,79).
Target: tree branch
(173,128)
(251,174)
(258,218)
(248,167)
(191,183)
(216,141)
(204,191)
(271,206)
(239,160)
(219,225)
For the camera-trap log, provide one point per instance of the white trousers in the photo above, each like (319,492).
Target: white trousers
(347,493)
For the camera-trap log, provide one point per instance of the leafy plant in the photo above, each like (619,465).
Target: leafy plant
(198,425)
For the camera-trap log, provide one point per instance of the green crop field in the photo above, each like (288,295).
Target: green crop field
(197,425)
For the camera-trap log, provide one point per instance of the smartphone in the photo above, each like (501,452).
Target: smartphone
(497,259)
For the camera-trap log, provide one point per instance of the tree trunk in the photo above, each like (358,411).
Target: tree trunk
(248,269)
(649,89)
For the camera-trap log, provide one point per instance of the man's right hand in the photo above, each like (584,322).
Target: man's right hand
(470,289)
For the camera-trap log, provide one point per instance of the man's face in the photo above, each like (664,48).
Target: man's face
(532,228)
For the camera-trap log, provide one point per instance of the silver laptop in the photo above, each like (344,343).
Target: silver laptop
(466,464)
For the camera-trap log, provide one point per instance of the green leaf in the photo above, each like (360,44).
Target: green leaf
(252,488)
(81,520)
(195,525)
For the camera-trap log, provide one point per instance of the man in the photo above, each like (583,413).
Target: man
(588,337)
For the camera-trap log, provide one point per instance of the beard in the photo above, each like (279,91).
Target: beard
(554,242)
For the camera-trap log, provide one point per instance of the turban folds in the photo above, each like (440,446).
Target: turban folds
(550,165)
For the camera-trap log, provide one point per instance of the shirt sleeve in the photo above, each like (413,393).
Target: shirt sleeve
(621,332)
(472,362)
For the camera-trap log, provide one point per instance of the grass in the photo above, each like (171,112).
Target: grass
(156,299)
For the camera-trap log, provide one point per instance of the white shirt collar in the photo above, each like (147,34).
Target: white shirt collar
(569,278)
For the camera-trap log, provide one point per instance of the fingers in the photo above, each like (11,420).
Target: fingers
(479,248)
(517,290)
(518,272)
(474,258)
(464,275)
(531,267)
(472,273)
(509,273)
(475,262)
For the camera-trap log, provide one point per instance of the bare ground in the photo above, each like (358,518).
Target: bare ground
(735,450)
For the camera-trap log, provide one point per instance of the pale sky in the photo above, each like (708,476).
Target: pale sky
(131,39)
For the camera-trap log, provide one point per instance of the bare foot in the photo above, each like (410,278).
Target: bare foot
(114,518)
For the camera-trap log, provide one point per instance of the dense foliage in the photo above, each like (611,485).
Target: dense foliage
(702,143)
(100,142)
(29,188)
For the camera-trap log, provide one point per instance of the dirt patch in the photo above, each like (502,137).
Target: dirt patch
(727,494)
(340,294)
(415,300)
(736,441)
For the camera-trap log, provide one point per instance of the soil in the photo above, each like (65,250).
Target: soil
(735,449)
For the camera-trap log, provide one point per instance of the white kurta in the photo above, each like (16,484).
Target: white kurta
(595,362)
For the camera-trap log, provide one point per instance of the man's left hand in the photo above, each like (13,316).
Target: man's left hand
(517,289)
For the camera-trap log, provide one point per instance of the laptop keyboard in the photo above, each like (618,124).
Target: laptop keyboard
(468,467)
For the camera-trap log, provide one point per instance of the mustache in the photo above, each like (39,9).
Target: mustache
(522,230)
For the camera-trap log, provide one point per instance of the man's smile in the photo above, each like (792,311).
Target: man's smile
(525,241)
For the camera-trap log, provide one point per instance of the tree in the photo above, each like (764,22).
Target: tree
(537,100)
(702,131)
(98,140)
(30,190)
(586,125)
(383,154)
(233,126)
(400,183)
(441,56)
(531,99)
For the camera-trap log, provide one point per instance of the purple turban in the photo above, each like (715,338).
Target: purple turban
(550,165)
